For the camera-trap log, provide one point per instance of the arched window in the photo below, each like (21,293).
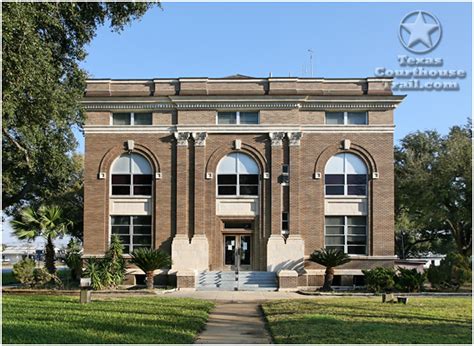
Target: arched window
(131,176)
(237,175)
(345,175)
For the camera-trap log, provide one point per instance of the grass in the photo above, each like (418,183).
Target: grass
(60,319)
(368,321)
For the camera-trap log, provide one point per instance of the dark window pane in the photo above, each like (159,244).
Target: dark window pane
(227,179)
(121,118)
(142,220)
(227,118)
(142,179)
(335,118)
(340,248)
(335,220)
(233,225)
(357,179)
(121,190)
(248,190)
(357,118)
(284,225)
(334,240)
(120,229)
(142,118)
(356,220)
(356,230)
(135,247)
(334,190)
(122,179)
(141,229)
(120,220)
(334,229)
(248,179)
(334,179)
(356,250)
(227,190)
(142,240)
(142,190)
(355,240)
(248,118)
(126,249)
(356,190)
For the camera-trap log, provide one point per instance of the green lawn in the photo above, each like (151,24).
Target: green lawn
(368,321)
(141,320)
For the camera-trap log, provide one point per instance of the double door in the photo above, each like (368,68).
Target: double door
(237,252)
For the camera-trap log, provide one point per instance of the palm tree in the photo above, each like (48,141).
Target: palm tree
(47,223)
(330,258)
(150,260)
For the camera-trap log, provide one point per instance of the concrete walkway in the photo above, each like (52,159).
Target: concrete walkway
(235,323)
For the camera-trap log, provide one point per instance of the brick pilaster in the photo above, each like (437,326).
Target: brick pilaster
(182,186)
(199,180)
(276,162)
(294,154)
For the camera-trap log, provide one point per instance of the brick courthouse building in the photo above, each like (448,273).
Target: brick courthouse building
(272,167)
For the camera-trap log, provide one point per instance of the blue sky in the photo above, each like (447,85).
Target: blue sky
(348,40)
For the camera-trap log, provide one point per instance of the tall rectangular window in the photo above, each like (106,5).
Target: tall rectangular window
(134,231)
(237,118)
(346,118)
(346,233)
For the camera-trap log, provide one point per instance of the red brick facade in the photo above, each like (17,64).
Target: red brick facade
(184,146)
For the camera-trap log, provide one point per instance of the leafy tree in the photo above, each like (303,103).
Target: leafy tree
(409,280)
(453,271)
(48,223)
(330,258)
(434,191)
(43,45)
(150,260)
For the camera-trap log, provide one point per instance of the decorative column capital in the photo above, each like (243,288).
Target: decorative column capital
(295,138)
(182,138)
(276,138)
(199,139)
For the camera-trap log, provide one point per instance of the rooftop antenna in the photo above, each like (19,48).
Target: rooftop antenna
(310,51)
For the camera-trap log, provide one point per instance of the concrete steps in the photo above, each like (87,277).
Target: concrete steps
(226,281)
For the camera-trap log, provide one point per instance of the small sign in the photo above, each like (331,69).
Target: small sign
(244,246)
(85,282)
(229,247)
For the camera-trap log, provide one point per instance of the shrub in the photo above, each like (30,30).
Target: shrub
(409,280)
(379,279)
(107,272)
(29,276)
(23,272)
(73,259)
(453,271)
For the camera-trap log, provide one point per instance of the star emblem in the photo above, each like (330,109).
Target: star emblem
(420,32)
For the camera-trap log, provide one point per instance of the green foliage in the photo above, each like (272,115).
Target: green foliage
(356,320)
(379,279)
(330,257)
(43,45)
(453,271)
(73,259)
(107,272)
(51,319)
(150,260)
(23,272)
(433,176)
(115,263)
(409,280)
(28,275)
(47,222)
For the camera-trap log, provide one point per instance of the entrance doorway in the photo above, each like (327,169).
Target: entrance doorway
(237,250)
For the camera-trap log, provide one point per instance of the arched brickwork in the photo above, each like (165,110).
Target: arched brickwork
(334,149)
(218,154)
(117,150)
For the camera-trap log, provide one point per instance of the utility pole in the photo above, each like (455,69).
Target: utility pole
(311,60)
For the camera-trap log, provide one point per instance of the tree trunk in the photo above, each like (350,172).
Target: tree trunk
(328,277)
(149,280)
(49,256)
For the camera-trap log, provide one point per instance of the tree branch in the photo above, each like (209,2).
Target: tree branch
(18,145)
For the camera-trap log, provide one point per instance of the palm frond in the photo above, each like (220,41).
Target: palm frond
(330,257)
(150,260)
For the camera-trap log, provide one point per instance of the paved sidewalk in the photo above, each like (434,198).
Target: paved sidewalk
(235,323)
(235,296)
